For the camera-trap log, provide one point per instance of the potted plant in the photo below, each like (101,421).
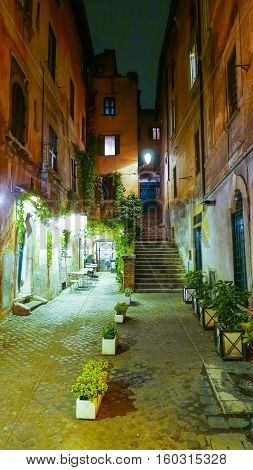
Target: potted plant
(248,335)
(128,292)
(206,313)
(90,388)
(230,303)
(120,309)
(110,339)
(193,280)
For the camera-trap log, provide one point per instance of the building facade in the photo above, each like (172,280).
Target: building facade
(116,120)
(204,96)
(46,56)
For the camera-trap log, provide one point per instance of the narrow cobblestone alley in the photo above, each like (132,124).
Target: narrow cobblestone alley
(158,397)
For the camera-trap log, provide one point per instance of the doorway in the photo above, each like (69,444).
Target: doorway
(105,254)
(238,235)
(197,235)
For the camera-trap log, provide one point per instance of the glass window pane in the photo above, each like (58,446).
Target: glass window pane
(110,145)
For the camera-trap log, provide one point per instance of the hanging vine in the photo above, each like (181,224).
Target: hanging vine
(86,173)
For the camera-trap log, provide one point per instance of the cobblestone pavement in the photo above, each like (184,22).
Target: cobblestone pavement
(158,396)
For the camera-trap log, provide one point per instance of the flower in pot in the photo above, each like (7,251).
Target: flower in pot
(90,388)
(120,309)
(230,305)
(193,280)
(128,292)
(110,339)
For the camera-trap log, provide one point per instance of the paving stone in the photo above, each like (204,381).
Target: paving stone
(158,397)
(238,423)
(217,422)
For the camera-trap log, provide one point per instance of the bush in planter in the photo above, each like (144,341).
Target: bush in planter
(228,303)
(248,336)
(89,388)
(206,313)
(194,279)
(120,309)
(110,340)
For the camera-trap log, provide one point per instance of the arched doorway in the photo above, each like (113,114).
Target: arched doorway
(238,235)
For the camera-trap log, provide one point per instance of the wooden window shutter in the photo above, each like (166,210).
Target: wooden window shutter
(101,145)
(117,144)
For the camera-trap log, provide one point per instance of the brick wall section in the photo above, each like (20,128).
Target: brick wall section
(128,273)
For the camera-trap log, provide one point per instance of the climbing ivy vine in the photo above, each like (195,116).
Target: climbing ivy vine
(49,248)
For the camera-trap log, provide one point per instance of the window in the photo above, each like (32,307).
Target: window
(73,174)
(23,4)
(18,122)
(172,74)
(38,16)
(109,106)
(108,187)
(35,121)
(173,117)
(193,63)
(109,145)
(232,83)
(52,149)
(197,152)
(175,181)
(205,15)
(154,133)
(83,129)
(72,99)
(51,52)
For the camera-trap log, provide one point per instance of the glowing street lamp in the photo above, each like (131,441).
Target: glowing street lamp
(147,158)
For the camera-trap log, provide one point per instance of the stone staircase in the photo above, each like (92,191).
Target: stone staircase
(158,267)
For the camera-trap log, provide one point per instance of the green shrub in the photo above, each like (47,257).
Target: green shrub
(121,308)
(248,335)
(92,381)
(194,279)
(228,303)
(128,292)
(110,330)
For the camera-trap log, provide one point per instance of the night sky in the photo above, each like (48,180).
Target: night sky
(135,28)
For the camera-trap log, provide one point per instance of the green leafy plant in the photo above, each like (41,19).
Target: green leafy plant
(248,335)
(128,292)
(49,248)
(197,280)
(110,330)
(121,308)
(86,174)
(64,242)
(93,380)
(20,223)
(228,303)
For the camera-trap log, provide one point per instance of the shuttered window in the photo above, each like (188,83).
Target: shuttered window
(109,145)
(109,106)
(51,52)
(232,83)
(18,113)
(197,152)
(53,148)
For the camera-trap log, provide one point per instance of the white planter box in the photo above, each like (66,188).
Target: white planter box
(109,346)
(88,409)
(128,300)
(119,318)
(188,294)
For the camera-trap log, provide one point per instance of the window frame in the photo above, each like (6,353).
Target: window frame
(111,107)
(194,62)
(53,148)
(71,99)
(102,139)
(73,174)
(52,48)
(18,130)
(232,101)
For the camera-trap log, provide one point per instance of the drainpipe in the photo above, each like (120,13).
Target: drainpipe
(202,122)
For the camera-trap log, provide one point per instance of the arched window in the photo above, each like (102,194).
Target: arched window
(18,113)
(238,200)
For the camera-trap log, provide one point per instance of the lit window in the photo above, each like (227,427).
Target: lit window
(154,133)
(109,106)
(110,144)
(193,63)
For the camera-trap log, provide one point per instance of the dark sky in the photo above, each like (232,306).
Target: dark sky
(135,28)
